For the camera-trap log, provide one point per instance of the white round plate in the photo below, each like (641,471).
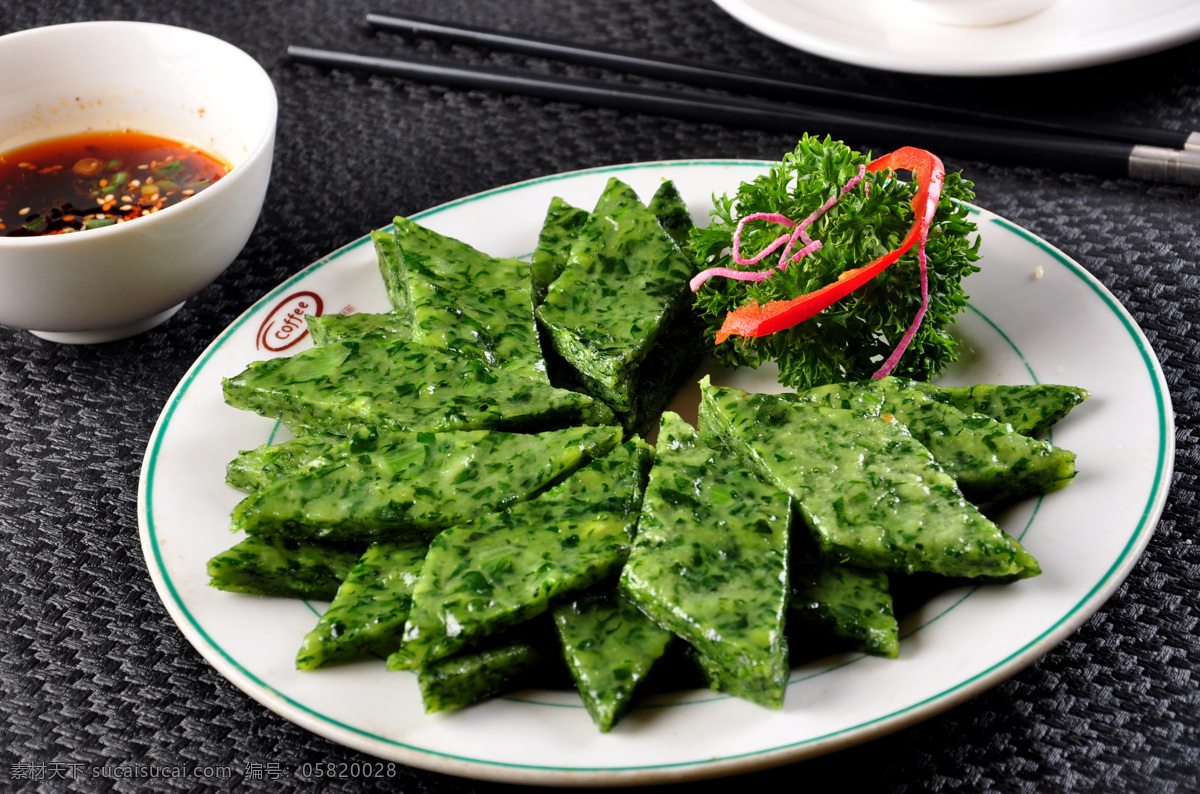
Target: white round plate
(1034,316)
(891,34)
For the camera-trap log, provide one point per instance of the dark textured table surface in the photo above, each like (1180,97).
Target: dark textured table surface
(92,669)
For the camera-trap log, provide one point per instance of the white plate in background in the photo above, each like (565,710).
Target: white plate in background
(893,35)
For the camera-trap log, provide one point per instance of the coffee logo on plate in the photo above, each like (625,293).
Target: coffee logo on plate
(285,324)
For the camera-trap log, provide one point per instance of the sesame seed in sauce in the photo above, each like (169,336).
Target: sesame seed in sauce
(73,174)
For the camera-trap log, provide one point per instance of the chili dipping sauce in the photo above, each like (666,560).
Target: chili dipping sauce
(97,179)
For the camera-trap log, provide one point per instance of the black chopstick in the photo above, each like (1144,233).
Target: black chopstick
(707,76)
(1104,158)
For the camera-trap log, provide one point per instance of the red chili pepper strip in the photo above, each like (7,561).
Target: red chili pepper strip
(754,320)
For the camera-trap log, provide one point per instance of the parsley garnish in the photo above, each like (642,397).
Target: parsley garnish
(848,340)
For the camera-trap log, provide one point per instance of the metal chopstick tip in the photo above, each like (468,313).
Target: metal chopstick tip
(1172,166)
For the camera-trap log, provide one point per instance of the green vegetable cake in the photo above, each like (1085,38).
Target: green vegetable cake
(257,468)
(503,569)
(368,613)
(395,280)
(330,328)
(673,215)
(404,386)
(518,657)
(989,460)
(468,302)
(284,567)
(413,484)
(680,349)
(710,562)
(610,647)
(1030,409)
(624,283)
(563,222)
(654,382)
(842,602)
(870,493)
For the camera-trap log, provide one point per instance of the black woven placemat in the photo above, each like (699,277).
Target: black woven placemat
(93,671)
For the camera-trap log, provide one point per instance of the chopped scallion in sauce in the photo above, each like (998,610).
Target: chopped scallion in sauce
(97,179)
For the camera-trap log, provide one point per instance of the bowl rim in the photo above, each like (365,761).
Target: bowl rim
(261,147)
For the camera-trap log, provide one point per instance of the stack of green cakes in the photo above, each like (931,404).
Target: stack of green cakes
(468,488)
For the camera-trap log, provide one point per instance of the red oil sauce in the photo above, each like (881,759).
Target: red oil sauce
(98,179)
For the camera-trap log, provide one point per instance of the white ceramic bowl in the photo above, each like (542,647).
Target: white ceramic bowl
(978,12)
(108,283)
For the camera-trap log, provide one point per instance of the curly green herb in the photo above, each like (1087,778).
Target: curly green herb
(849,339)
